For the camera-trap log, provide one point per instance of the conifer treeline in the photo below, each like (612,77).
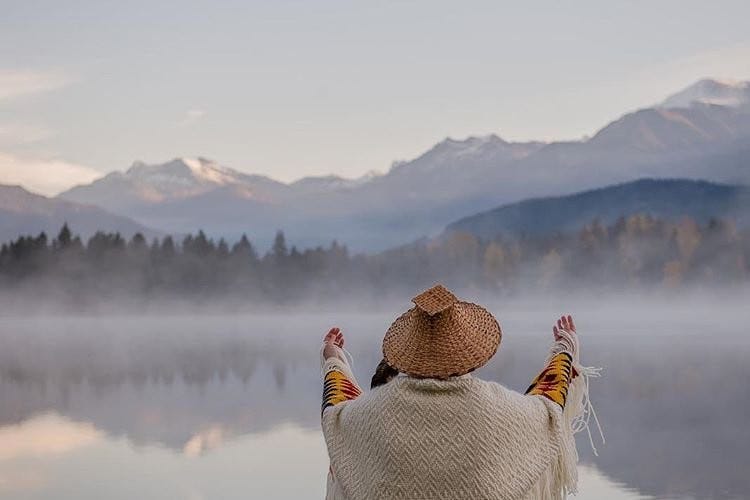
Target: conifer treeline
(635,251)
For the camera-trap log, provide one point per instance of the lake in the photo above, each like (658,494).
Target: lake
(227,406)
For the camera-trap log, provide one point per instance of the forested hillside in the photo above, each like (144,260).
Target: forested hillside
(669,199)
(634,252)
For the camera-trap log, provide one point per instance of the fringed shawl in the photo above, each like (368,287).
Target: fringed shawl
(457,438)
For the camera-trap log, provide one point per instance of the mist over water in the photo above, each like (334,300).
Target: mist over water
(227,405)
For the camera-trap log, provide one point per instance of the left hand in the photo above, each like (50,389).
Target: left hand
(333,339)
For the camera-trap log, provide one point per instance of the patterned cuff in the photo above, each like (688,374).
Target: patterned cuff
(337,388)
(339,384)
(553,382)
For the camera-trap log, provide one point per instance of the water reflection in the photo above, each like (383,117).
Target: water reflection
(242,393)
(45,435)
(287,462)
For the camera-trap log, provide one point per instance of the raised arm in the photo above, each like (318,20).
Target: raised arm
(554,381)
(339,384)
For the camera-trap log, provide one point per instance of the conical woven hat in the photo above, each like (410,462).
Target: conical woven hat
(441,336)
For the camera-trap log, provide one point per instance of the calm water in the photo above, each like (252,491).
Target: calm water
(228,406)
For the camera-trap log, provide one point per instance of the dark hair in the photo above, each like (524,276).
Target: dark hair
(383,374)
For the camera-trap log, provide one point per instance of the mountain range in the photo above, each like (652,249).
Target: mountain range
(668,199)
(25,213)
(701,132)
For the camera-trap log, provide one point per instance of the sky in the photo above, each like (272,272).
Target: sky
(296,88)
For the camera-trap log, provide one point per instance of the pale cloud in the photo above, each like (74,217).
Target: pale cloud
(191,117)
(42,175)
(16,83)
(19,134)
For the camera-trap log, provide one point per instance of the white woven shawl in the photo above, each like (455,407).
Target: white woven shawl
(457,438)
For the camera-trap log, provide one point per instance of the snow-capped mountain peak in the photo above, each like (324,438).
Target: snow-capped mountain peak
(710,91)
(183,171)
(333,182)
(209,171)
(368,176)
(180,178)
(470,145)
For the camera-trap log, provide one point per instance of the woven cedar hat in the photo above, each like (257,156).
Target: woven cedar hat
(441,336)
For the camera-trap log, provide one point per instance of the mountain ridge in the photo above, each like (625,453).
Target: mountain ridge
(710,91)
(26,213)
(453,178)
(662,198)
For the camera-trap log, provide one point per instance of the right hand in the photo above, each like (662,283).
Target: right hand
(564,323)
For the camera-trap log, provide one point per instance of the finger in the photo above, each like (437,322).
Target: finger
(340,339)
(556,333)
(559,324)
(565,322)
(570,321)
(331,335)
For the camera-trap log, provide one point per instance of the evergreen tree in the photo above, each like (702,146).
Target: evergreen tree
(279,249)
(137,243)
(198,245)
(222,249)
(64,237)
(244,249)
(638,249)
(167,251)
